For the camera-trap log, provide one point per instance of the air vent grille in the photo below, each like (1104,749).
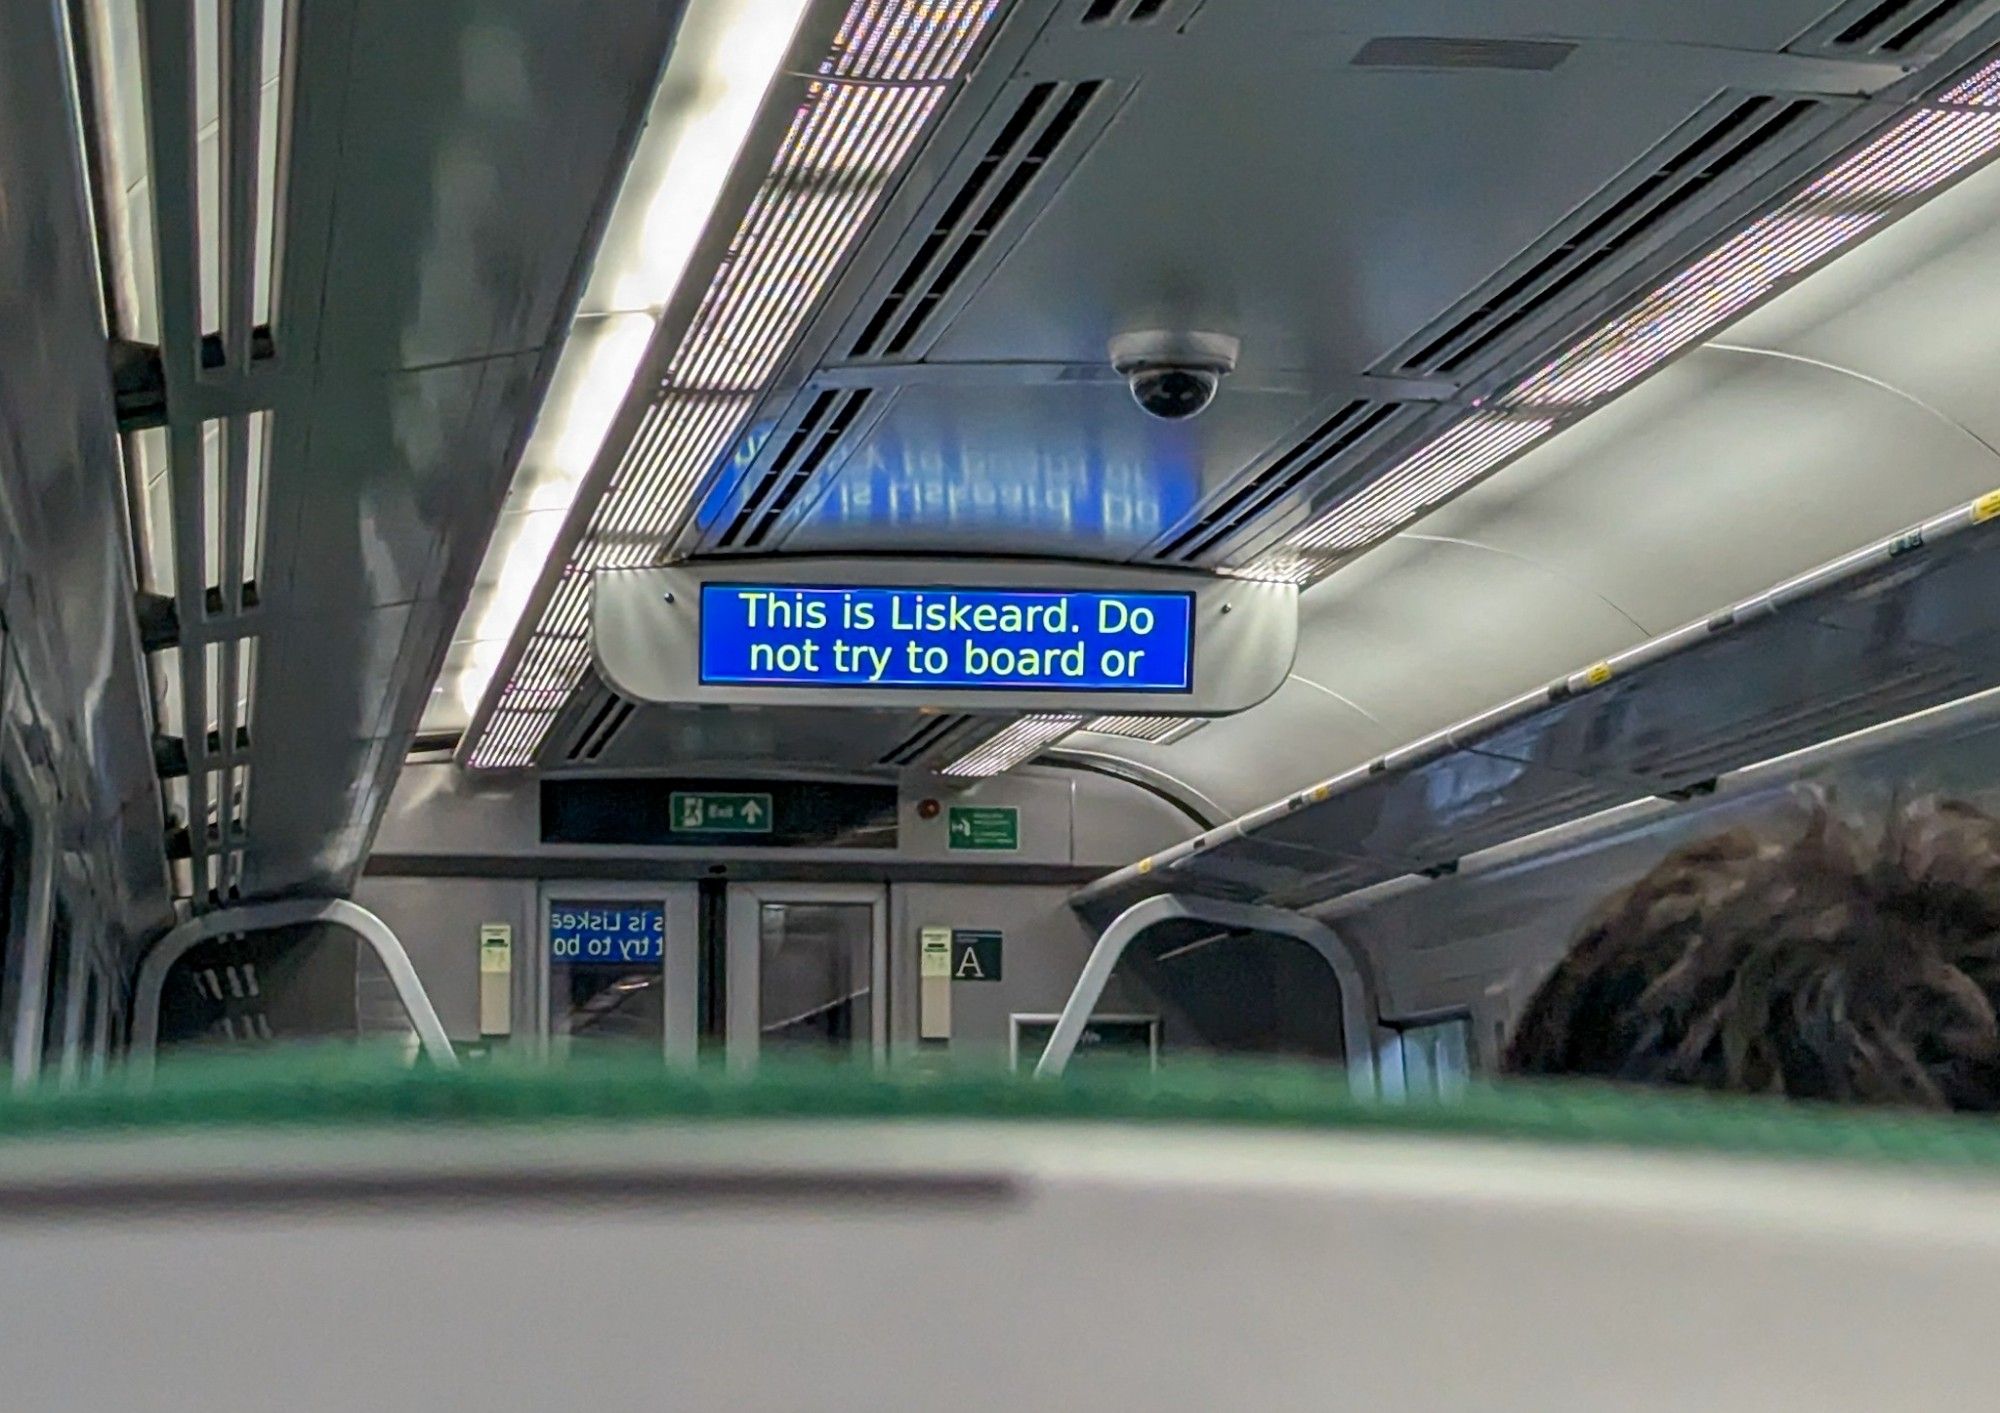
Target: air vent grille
(1019,153)
(1423,52)
(925,739)
(601,727)
(1121,12)
(1345,432)
(803,451)
(1738,141)
(1897,26)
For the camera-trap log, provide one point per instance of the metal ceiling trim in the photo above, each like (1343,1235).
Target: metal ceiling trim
(815,36)
(1083,51)
(1342,435)
(1675,187)
(806,448)
(214,662)
(1015,743)
(812,65)
(1031,373)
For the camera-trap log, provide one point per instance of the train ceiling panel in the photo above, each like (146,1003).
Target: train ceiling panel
(1424,231)
(1853,404)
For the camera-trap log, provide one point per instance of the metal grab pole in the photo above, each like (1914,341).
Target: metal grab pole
(1350,969)
(258,917)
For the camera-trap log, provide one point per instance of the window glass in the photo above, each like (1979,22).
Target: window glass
(1434,1057)
(92,1021)
(55,993)
(813,979)
(607,979)
(13,892)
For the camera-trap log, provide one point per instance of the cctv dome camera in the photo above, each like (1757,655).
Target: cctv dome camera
(1173,376)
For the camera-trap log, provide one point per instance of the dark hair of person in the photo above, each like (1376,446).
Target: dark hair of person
(1830,965)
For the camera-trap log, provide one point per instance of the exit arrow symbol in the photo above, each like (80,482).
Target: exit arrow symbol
(752,811)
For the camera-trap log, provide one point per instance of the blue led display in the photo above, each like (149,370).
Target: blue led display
(607,934)
(787,635)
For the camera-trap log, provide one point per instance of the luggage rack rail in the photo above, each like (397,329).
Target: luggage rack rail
(1899,626)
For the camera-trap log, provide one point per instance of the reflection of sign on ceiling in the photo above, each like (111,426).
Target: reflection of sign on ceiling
(832,636)
(983,828)
(607,934)
(975,955)
(714,812)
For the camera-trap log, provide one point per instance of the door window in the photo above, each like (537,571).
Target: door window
(815,974)
(607,981)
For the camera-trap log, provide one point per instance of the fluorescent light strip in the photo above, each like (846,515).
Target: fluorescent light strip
(1157,729)
(1831,213)
(845,145)
(1913,156)
(1023,740)
(1687,308)
(1461,453)
(1979,89)
(1835,210)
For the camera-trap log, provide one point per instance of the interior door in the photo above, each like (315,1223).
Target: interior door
(622,965)
(808,969)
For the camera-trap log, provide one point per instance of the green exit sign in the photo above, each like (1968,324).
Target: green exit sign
(718,812)
(983,828)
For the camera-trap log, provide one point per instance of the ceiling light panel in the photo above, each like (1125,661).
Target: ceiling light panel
(1462,453)
(1024,740)
(1157,729)
(1917,154)
(887,73)
(1979,89)
(1836,209)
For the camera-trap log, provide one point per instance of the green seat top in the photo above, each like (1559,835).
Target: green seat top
(353,1087)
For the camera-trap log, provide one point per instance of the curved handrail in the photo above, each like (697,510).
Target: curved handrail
(1350,969)
(258,917)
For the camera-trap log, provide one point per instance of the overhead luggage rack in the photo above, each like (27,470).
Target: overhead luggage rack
(1899,626)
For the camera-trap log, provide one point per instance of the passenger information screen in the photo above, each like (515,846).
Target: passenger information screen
(783,635)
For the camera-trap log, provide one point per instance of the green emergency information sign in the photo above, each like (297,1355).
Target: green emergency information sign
(717,812)
(995,828)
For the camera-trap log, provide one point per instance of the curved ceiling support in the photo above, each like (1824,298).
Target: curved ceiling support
(1341,697)
(1843,371)
(259,917)
(1350,969)
(1532,563)
(1205,812)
